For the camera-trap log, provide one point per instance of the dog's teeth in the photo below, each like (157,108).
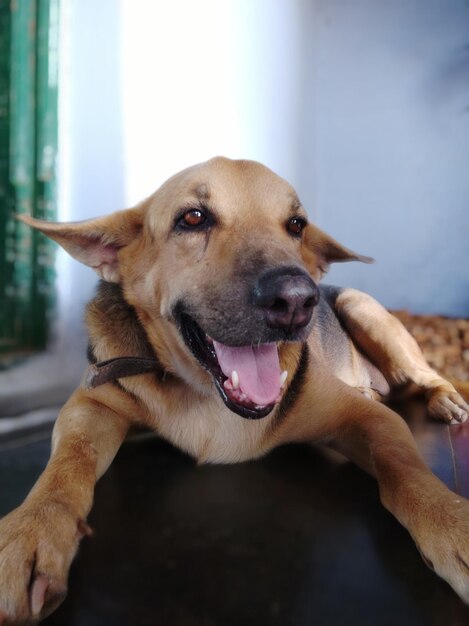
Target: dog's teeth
(235,379)
(283,378)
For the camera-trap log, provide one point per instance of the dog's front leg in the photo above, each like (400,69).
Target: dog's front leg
(39,539)
(379,441)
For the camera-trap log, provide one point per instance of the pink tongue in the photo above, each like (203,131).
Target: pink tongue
(258,369)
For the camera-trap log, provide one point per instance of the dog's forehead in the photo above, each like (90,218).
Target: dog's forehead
(229,187)
(231,184)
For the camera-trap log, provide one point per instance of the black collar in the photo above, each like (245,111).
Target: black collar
(121,367)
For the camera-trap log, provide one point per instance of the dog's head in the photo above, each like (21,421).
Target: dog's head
(225,254)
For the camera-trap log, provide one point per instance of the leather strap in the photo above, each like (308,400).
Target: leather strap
(120,367)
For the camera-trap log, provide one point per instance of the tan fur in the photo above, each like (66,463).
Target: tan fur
(152,266)
(397,354)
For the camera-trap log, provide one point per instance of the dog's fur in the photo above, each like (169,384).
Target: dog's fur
(351,353)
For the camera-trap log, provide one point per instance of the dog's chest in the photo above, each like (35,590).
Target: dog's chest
(205,428)
(211,434)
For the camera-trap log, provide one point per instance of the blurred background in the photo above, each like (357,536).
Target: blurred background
(362,105)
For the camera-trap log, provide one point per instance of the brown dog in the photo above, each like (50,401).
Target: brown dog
(211,295)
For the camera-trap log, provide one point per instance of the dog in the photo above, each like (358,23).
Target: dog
(210,327)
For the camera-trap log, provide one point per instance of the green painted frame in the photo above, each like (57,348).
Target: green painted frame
(28,155)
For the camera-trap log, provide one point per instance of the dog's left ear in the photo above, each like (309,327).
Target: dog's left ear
(327,250)
(95,242)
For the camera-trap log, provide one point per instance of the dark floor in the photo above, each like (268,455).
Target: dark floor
(293,539)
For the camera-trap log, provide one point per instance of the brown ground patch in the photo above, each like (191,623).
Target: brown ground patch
(443,340)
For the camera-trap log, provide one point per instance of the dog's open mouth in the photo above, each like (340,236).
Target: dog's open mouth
(248,378)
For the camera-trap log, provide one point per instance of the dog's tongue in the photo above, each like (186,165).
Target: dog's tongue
(258,370)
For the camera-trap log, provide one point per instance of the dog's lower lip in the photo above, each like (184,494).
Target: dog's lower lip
(202,347)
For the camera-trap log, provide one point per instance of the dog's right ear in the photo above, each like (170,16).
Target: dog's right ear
(95,242)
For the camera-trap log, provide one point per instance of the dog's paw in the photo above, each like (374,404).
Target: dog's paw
(37,545)
(444,544)
(448,406)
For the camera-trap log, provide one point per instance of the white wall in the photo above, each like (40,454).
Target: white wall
(91,154)
(205,78)
(389,144)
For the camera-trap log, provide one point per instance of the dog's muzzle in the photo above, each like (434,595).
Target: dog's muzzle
(245,366)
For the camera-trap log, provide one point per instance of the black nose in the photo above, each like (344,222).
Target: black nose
(287,297)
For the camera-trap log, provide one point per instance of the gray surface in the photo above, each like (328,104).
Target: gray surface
(290,540)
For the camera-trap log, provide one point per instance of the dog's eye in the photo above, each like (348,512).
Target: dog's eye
(295,226)
(192,219)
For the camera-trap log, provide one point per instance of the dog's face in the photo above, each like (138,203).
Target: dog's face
(224,252)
